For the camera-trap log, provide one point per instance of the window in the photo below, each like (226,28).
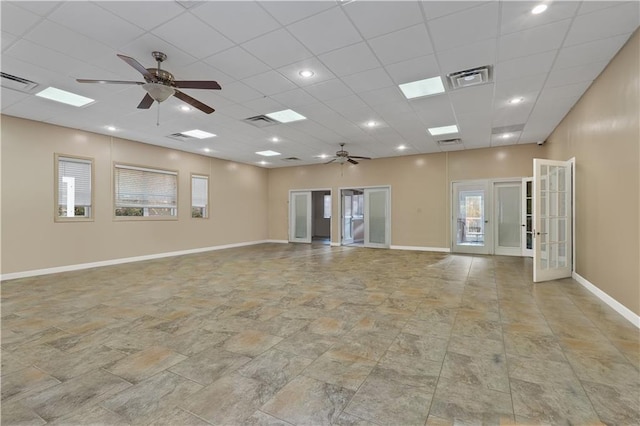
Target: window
(74,178)
(199,196)
(141,192)
(327,206)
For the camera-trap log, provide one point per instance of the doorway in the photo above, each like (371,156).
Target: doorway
(471,228)
(366,217)
(310,216)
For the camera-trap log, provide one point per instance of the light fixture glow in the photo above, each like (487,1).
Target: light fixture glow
(275,139)
(515,100)
(416,89)
(506,135)
(207,150)
(267,153)
(323,156)
(306,73)
(402,147)
(185,108)
(159,92)
(443,130)
(539,9)
(111,128)
(64,97)
(262,163)
(199,134)
(286,116)
(371,123)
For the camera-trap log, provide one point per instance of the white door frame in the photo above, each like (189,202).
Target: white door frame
(360,188)
(487,248)
(290,229)
(367,218)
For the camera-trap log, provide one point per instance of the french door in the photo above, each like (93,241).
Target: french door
(527,217)
(552,199)
(300,216)
(471,228)
(507,216)
(377,217)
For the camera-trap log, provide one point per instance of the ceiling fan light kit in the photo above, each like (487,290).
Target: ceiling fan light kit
(343,156)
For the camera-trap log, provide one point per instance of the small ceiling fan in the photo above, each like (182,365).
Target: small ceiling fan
(161,84)
(343,156)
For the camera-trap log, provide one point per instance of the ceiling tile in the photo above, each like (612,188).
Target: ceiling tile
(350,60)
(269,83)
(294,98)
(368,80)
(287,12)
(200,71)
(469,56)
(522,87)
(436,9)
(312,32)
(598,50)
(277,49)
(382,96)
(346,104)
(414,69)
(321,73)
(539,39)
(512,115)
(29,52)
(140,14)
(434,110)
(376,18)
(458,29)
(240,92)
(96,23)
(10,97)
(390,111)
(327,90)
(237,20)
(7,40)
(517,16)
(609,22)
(574,90)
(192,41)
(402,45)
(564,76)
(470,100)
(525,66)
(264,105)
(17,21)
(237,62)
(42,8)
(593,6)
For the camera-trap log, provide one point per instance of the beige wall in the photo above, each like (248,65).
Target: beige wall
(420,188)
(32,240)
(602,132)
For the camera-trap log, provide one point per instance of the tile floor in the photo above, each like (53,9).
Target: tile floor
(309,335)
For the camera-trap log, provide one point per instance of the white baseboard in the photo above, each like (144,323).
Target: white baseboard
(418,248)
(67,268)
(335,244)
(613,303)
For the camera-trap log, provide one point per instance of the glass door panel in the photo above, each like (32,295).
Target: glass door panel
(507,217)
(377,217)
(471,231)
(300,217)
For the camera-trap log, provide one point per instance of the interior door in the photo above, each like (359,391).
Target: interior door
(507,216)
(347,214)
(552,244)
(527,217)
(377,217)
(300,216)
(471,228)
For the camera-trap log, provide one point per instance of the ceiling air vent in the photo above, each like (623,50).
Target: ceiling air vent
(260,121)
(449,142)
(507,129)
(291,159)
(17,83)
(180,137)
(470,77)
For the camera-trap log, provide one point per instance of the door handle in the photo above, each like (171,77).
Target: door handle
(544,233)
(486,221)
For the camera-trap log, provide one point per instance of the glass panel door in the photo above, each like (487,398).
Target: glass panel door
(376,217)
(347,217)
(471,228)
(300,217)
(552,218)
(527,217)
(507,217)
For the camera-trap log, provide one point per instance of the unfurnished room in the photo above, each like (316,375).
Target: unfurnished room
(335,212)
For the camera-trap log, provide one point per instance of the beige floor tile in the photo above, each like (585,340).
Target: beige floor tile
(140,365)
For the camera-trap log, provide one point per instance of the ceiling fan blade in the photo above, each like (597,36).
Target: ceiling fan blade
(197,84)
(137,65)
(352,161)
(146,102)
(360,158)
(84,80)
(330,161)
(193,102)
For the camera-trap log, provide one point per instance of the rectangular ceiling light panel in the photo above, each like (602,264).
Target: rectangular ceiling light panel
(417,89)
(444,130)
(268,153)
(199,134)
(63,96)
(286,116)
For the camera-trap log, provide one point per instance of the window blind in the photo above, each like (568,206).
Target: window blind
(80,170)
(140,187)
(199,191)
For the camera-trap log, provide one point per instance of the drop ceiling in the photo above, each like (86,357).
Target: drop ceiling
(359,52)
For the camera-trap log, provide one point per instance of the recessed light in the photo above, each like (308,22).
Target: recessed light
(275,139)
(185,108)
(426,87)
(371,123)
(516,100)
(199,134)
(506,135)
(267,153)
(323,156)
(262,163)
(539,9)
(286,116)
(63,96)
(306,73)
(402,147)
(207,149)
(111,128)
(443,130)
